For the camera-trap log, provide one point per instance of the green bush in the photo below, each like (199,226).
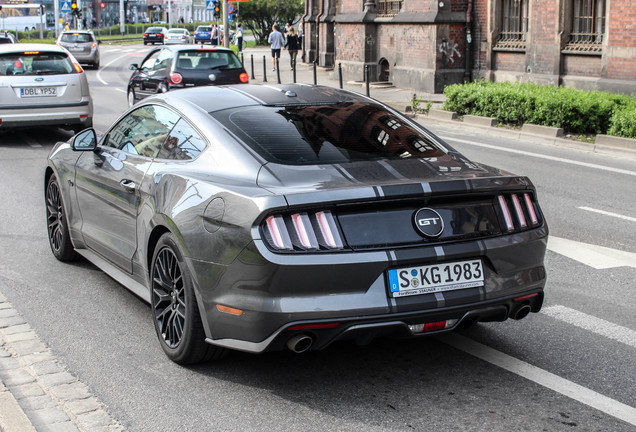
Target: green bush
(574,110)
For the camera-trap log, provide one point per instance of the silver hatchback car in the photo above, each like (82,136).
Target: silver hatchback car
(42,84)
(82,44)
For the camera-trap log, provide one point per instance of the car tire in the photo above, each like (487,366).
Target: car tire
(57,227)
(131,97)
(145,43)
(163,88)
(96,66)
(175,311)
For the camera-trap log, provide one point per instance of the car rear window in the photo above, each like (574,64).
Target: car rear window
(207,59)
(76,37)
(5,40)
(154,30)
(204,29)
(35,63)
(327,134)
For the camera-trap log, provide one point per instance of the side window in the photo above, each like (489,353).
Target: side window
(164,59)
(183,143)
(150,62)
(143,131)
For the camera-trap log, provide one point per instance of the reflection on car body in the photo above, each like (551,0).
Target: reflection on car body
(291,216)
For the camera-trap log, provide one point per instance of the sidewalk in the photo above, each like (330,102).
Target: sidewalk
(37,393)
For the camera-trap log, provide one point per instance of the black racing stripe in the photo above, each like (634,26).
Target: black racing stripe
(446,187)
(402,190)
(462,296)
(416,256)
(416,302)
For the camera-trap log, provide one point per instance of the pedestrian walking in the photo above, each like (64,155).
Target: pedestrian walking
(292,45)
(214,36)
(239,37)
(276,41)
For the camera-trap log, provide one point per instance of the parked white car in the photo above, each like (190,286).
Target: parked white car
(42,84)
(178,36)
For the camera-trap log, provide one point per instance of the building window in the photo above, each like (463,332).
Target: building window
(588,26)
(513,26)
(389,8)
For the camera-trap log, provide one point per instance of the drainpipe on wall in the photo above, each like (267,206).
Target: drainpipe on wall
(469,43)
(302,26)
(320,13)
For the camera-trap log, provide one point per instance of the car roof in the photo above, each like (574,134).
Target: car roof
(217,98)
(23,47)
(195,48)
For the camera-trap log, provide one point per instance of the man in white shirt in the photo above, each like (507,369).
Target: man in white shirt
(277,41)
(239,37)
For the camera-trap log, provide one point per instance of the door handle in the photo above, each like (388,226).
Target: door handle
(129,185)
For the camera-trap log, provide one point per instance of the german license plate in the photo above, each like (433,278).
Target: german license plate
(38,91)
(435,278)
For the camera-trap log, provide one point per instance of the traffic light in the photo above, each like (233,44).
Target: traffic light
(217,10)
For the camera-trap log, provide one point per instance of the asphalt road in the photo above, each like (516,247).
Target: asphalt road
(571,367)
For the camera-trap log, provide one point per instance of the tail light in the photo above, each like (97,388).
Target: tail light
(176,78)
(145,34)
(518,211)
(432,326)
(93,45)
(303,231)
(196,32)
(77,67)
(244,77)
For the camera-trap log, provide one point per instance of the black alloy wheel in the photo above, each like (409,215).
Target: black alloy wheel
(175,309)
(59,238)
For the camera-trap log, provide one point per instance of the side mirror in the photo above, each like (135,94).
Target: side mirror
(133,66)
(85,140)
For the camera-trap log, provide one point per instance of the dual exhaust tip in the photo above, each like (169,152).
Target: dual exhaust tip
(520,312)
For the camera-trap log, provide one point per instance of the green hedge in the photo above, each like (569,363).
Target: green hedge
(576,111)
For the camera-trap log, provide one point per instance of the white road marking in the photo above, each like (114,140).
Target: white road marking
(542,377)
(597,257)
(99,72)
(606,213)
(592,323)
(542,156)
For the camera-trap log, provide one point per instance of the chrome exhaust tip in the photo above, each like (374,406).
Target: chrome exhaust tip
(521,312)
(300,343)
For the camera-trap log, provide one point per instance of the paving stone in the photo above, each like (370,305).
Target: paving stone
(16,377)
(8,313)
(47,416)
(19,337)
(27,390)
(94,419)
(5,305)
(28,347)
(59,427)
(58,378)
(83,406)
(47,367)
(11,321)
(8,363)
(37,402)
(38,357)
(15,329)
(73,391)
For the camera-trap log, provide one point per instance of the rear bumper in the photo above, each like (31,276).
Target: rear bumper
(277,292)
(53,114)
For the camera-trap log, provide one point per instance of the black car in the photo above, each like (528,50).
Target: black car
(177,67)
(261,218)
(155,35)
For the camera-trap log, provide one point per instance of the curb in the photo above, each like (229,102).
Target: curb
(12,418)
(604,144)
(37,392)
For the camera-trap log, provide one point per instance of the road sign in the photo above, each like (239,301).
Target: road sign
(66,6)
(230,8)
(229,18)
(209,5)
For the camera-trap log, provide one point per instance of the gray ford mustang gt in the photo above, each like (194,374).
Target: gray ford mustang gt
(259,217)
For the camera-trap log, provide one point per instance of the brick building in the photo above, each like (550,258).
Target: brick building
(424,44)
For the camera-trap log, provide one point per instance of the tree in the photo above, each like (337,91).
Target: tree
(260,15)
